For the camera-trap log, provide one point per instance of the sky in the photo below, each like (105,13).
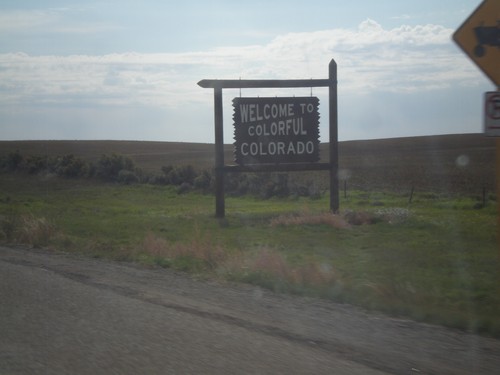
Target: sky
(128,70)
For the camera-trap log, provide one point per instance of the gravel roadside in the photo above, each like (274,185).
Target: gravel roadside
(259,331)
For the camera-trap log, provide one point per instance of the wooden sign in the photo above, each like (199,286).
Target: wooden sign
(276,130)
(290,145)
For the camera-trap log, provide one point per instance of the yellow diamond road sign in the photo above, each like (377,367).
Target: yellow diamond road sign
(479,38)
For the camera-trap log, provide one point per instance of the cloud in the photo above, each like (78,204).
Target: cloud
(372,61)
(51,21)
(403,59)
(22,20)
(401,17)
(416,58)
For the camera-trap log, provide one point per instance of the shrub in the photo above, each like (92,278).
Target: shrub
(203,181)
(166,169)
(275,186)
(179,175)
(157,180)
(12,161)
(70,166)
(263,185)
(109,166)
(35,164)
(184,188)
(127,177)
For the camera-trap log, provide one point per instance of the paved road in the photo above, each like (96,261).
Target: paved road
(62,314)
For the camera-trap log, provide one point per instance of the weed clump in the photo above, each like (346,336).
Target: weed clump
(349,218)
(27,230)
(394,215)
(272,263)
(267,267)
(8,224)
(358,217)
(270,269)
(335,221)
(199,254)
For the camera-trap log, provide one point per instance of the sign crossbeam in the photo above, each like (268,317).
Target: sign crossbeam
(263,83)
(278,168)
(221,168)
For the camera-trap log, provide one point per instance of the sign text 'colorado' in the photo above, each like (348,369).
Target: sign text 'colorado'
(276,130)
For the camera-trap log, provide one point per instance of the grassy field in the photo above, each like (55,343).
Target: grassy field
(435,260)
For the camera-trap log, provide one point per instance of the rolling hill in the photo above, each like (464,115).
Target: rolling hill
(458,163)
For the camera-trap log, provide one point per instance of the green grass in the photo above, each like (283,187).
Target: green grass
(435,260)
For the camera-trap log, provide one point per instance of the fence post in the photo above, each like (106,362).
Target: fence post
(411,194)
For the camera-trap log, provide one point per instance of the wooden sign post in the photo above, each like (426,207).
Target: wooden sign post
(276,120)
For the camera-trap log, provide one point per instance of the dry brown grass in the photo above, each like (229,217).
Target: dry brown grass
(200,248)
(273,263)
(33,231)
(237,265)
(269,264)
(347,219)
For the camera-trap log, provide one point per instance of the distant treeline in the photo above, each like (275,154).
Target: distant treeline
(121,169)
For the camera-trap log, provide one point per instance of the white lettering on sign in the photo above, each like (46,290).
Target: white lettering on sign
(276,130)
(310,107)
(253,112)
(294,126)
(276,148)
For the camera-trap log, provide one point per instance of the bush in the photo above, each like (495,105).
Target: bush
(121,169)
(127,177)
(35,164)
(157,180)
(12,161)
(109,166)
(203,181)
(263,185)
(276,186)
(166,169)
(70,166)
(179,175)
(64,166)
(184,188)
